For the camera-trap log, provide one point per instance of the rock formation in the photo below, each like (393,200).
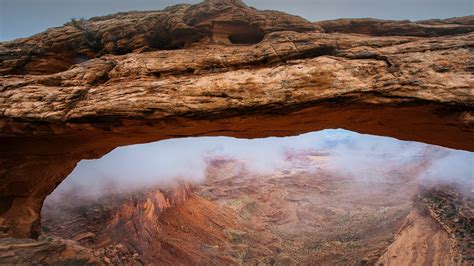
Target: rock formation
(219,68)
(46,250)
(439,229)
(124,228)
(300,213)
(164,226)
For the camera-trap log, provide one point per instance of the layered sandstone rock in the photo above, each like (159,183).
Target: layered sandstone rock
(419,241)
(47,250)
(148,226)
(218,68)
(439,230)
(377,27)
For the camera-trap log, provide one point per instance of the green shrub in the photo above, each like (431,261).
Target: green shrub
(91,37)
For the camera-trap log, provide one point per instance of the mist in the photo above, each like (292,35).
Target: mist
(362,157)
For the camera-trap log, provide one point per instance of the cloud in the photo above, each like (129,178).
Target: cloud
(362,157)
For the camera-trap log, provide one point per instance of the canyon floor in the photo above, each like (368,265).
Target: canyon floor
(299,213)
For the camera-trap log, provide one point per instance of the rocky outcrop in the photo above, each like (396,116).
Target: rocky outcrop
(47,250)
(176,27)
(452,208)
(124,229)
(420,241)
(438,230)
(377,27)
(166,226)
(217,68)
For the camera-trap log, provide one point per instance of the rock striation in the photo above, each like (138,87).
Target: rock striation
(124,229)
(219,68)
(170,226)
(47,250)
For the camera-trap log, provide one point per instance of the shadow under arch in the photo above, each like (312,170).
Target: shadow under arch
(32,166)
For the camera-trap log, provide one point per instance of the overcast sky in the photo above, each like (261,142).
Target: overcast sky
(22,18)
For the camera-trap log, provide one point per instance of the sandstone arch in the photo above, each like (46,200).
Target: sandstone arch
(297,79)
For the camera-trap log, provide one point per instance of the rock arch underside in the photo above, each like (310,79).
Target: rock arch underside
(219,68)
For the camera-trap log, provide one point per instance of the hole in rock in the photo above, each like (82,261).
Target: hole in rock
(49,63)
(238,32)
(325,197)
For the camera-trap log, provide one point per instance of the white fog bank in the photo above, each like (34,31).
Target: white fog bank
(164,162)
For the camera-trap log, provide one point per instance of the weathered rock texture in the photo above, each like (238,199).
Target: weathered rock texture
(125,229)
(47,250)
(420,241)
(219,68)
(439,230)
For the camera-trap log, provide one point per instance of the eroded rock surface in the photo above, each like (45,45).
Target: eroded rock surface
(122,229)
(439,230)
(47,250)
(377,27)
(300,213)
(219,68)
(419,241)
